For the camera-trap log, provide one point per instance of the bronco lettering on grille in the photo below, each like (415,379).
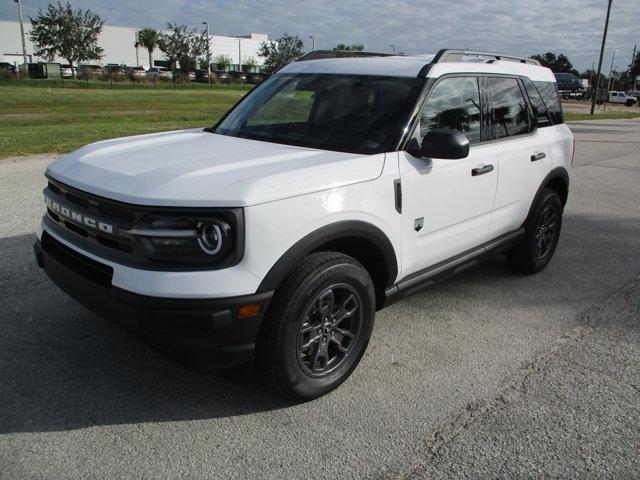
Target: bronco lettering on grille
(77,217)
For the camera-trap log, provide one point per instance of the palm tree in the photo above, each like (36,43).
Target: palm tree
(148,38)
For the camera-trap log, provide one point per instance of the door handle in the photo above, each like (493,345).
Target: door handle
(538,156)
(481,170)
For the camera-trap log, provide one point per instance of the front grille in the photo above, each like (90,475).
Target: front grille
(84,266)
(88,204)
(93,204)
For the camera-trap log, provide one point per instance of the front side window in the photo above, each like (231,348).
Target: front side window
(349,113)
(509,114)
(453,103)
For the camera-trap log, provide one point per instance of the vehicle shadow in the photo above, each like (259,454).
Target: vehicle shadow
(62,368)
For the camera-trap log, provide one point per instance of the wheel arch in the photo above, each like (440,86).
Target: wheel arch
(557,180)
(360,240)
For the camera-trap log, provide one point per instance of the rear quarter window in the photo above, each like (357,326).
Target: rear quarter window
(549,93)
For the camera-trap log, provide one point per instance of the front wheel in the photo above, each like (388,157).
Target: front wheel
(318,326)
(542,232)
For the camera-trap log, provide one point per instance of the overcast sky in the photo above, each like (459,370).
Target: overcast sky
(522,27)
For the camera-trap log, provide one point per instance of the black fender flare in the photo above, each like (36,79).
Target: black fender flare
(556,173)
(348,229)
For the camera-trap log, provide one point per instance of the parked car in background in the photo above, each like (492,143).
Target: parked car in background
(621,97)
(635,94)
(202,75)
(6,67)
(86,71)
(66,71)
(136,73)
(159,73)
(569,85)
(115,71)
(253,78)
(180,74)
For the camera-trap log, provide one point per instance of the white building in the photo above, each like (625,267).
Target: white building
(119,46)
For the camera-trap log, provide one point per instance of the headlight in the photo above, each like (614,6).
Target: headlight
(186,240)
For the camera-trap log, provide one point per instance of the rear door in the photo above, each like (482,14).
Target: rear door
(446,206)
(523,153)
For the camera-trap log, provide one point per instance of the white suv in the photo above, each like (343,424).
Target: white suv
(334,188)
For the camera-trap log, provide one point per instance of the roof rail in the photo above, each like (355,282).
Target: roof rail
(452,55)
(320,54)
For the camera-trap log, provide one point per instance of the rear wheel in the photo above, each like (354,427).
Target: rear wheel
(542,232)
(318,326)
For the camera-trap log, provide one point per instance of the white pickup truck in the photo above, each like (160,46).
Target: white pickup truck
(622,97)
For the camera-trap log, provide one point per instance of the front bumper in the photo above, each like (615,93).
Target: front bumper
(202,329)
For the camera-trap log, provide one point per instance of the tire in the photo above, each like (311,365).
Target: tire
(542,232)
(629,103)
(304,350)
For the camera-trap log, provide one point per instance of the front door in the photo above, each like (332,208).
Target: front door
(447,204)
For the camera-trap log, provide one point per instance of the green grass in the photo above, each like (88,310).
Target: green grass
(574,117)
(57,120)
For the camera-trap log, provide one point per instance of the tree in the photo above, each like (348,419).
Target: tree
(223,62)
(281,52)
(558,64)
(182,46)
(66,33)
(148,38)
(354,47)
(250,63)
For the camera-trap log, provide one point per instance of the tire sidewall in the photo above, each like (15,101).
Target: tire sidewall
(548,198)
(348,273)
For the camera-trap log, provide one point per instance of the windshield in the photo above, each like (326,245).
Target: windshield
(349,113)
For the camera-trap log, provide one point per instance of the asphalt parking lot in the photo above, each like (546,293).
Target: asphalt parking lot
(488,375)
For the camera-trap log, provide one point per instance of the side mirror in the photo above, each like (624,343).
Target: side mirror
(445,143)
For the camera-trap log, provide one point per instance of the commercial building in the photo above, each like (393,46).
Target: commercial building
(119,47)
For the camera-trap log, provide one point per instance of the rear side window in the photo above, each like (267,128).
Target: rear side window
(539,108)
(549,93)
(509,113)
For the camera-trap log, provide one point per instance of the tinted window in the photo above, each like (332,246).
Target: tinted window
(509,114)
(349,113)
(539,108)
(453,103)
(549,94)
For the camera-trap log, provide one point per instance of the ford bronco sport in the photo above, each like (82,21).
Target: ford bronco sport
(334,188)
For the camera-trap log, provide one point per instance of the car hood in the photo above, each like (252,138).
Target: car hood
(201,169)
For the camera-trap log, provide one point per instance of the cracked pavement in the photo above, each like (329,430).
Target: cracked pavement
(489,374)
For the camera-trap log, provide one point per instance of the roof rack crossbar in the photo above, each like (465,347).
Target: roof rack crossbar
(453,55)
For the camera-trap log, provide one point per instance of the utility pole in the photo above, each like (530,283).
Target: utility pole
(239,55)
(206,24)
(137,45)
(24,43)
(613,58)
(604,106)
(393,48)
(604,41)
(633,70)
(313,42)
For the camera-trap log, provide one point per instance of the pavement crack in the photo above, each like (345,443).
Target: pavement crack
(514,387)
